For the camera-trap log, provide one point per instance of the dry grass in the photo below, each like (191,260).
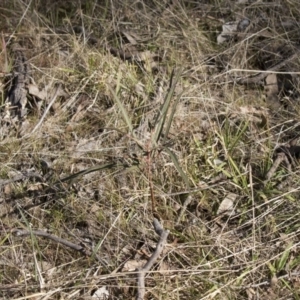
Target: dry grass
(147,133)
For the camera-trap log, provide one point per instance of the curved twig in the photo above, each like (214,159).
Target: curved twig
(159,247)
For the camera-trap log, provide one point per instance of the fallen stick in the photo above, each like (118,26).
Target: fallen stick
(81,248)
(261,76)
(163,234)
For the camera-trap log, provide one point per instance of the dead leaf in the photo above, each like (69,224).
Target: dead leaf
(101,293)
(227,205)
(272,90)
(274,281)
(133,264)
(131,37)
(7,189)
(34,91)
(164,266)
(36,187)
(228,30)
(48,268)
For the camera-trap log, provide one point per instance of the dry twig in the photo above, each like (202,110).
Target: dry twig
(261,76)
(284,154)
(142,271)
(80,248)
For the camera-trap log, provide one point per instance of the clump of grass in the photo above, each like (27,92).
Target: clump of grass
(143,137)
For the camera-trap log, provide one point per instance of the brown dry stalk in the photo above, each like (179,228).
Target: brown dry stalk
(151,183)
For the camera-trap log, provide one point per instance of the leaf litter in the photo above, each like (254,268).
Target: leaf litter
(125,141)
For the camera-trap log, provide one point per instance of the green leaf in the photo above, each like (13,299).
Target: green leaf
(123,111)
(284,257)
(86,171)
(177,166)
(170,120)
(238,137)
(161,117)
